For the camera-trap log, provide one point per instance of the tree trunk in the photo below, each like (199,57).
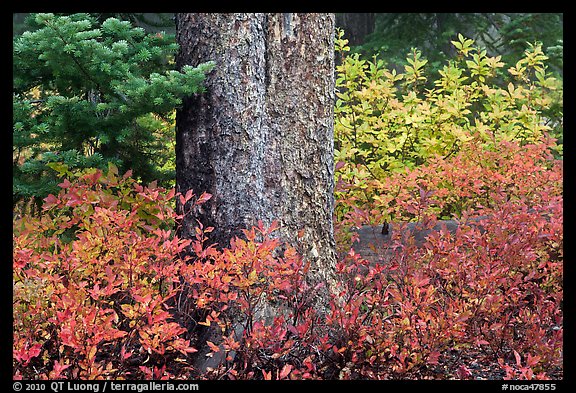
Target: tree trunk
(260,139)
(356,26)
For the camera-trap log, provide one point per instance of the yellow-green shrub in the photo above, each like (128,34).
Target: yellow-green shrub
(387,121)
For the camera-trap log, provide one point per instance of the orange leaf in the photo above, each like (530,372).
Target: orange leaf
(92,353)
(205,323)
(213,347)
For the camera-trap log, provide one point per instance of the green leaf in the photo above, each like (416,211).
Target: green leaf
(60,168)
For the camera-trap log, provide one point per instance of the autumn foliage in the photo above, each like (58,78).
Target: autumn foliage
(483,295)
(92,277)
(101,292)
(387,121)
(105,289)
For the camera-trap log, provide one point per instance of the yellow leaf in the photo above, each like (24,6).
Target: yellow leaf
(92,352)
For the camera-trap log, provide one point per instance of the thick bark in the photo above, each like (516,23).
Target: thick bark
(260,139)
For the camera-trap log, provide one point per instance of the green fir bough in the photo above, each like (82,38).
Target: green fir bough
(86,94)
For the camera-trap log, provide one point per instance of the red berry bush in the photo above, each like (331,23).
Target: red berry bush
(459,306)
(92,280)
(102,288)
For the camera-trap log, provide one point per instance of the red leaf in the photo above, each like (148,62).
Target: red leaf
(73,199)
(57,369)
(93,177)
(158,372)
(65,184)
(292,329)
(336,350)
(189,194)
(25,354)
(127,174)
(518,359)
(171,193)
(433,357)
(285,371)
(125,354)
(22,258)
(143,299)
(50,200)
(203,198)
(531,361)
(273,226)
(463,372)
(147,371)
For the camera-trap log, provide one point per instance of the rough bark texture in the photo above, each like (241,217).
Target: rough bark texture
(260,139)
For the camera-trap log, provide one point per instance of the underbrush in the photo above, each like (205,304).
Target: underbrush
(101,289)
